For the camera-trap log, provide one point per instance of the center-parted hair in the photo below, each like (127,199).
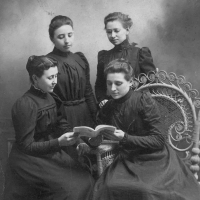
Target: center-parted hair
(119,66)
(123,18)
(37,64)
(57,22)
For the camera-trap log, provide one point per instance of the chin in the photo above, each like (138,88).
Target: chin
(116,97)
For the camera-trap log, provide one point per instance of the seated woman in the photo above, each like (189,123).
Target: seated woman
(117,26)
(145,167)
(37,167)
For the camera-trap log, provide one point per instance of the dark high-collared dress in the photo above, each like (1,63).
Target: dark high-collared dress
(74,89)
(139,58)
(146,167)
(37,167)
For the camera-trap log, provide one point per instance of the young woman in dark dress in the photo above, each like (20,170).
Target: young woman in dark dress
(37,167)
(73,88)
(146,167)
(117,26)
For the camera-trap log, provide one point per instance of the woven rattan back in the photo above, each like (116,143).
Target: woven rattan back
(179,105)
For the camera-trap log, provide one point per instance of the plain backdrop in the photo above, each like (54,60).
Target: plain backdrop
(170,28)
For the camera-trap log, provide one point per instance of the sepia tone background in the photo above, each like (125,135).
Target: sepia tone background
(170,28)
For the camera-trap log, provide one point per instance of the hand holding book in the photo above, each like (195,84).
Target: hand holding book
(116,136)
(90,132)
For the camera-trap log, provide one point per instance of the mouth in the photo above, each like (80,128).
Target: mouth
(67,46)
(114,41)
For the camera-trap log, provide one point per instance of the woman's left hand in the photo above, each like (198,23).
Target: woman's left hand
(82,148)
(117,135)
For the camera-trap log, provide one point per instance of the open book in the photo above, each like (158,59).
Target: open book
(90,132)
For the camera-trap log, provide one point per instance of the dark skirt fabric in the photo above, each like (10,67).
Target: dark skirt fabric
(57,176)
(155,176)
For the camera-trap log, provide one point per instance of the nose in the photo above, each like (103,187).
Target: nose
(113,87)
(66,39)
(113,34)
(54,81)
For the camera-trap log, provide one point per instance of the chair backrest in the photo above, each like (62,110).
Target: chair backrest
(179,105)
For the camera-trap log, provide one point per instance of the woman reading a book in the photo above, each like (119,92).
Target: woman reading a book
(38,168)
(146,167)
(117,26)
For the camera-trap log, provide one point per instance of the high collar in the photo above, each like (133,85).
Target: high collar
(60,53)
(124,45)
(124,98)
(38,92)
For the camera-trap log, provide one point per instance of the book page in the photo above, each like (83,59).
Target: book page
(85,131)
(103,127)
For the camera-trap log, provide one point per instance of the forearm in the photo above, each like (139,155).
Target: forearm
(152,142)
(40,148)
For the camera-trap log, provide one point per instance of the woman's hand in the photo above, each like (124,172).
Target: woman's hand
(82,148)
(102,103)
(67,139)
(117,135)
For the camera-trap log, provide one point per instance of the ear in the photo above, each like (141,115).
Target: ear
(127,30)
(131,82)
(34,78)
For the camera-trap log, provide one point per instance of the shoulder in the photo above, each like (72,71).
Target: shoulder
(81,58)
(145,101)
(142,97)
(24,105)
(101,55)
(144,51)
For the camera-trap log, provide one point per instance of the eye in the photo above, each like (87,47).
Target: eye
(116,30)
(70,34)
(50,77)
(61,36)
(118,83)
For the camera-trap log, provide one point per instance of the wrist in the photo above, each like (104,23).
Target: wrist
(59,142)
(124,139)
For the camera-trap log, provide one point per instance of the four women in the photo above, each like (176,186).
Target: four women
(43,163)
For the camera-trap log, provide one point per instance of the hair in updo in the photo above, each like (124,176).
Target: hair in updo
(37,64)
(57,22)
(124,19)
(119,66)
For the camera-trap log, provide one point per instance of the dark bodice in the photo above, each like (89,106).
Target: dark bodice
(137,115)
(36,123)
(73,78)
(139,58)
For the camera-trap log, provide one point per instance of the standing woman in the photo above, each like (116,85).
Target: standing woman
(37,167)
(117,26)
(73,89)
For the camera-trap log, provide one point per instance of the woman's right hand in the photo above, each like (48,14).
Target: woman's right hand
(67,139)
(102,103)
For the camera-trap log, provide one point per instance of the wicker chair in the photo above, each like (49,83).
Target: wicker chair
(179,105)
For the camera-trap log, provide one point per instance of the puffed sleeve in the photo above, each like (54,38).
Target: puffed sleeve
(148,111)
(100,84)
(89,95)
(24,116)
(146,61)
